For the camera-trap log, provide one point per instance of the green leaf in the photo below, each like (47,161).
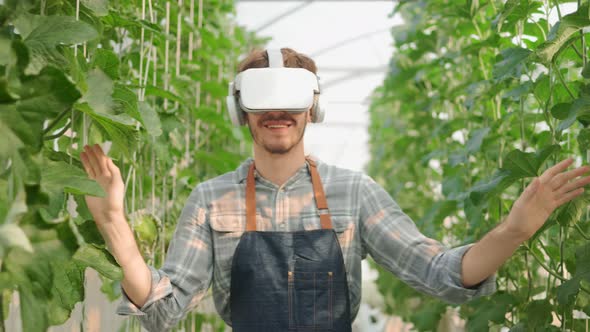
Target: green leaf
(561,111)
(428,315)
(119,128)
(217,90)
(25,23)
(17,209)
(51,31)
(50,91)
(35,273)
(99,259)
(12,236)
(100,89)
(145,227)
(581,108)
(433,218)
(151,90)
(539,313)
(22,123)
(512,64)
(517,165)
(56,30)
(107,61)
(60,176)
(125,100)
(7,54)
(514,11)
(111,288)
(586,71)
(584,140)
(90,233)
(564,30)
(150,119)
(499,181)
(62,156)
(519,91)
(12,127)
(33,315)
(527,164)
(570,212)
(221,161)
(567,291)
(68,285)
(476,138)
(99,7)
(492,309)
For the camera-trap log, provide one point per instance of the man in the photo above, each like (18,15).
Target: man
(282,237)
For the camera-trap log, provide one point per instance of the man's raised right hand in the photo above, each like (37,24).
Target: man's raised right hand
(102,169)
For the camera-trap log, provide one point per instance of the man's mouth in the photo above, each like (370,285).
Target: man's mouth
(277,125)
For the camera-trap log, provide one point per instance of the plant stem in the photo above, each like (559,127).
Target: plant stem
(576,49)
(51,137)
(2,327)
(56,120)
(563,82)
(561,265)
(581,232)
(558,10)
(551,272)
(584,55)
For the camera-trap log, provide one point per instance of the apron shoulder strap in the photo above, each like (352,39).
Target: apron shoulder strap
(250,200)
(320,196)
(318,191)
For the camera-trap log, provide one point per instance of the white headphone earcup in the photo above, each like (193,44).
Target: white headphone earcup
(235,113)
(318,113)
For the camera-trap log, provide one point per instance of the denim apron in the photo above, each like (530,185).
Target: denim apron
(289,281)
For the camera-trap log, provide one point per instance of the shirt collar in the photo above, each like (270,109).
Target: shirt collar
(241,173)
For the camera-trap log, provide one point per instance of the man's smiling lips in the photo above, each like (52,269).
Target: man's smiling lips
(277,126)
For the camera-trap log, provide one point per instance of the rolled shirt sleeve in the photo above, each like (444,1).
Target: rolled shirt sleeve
(184,277)
(395,243)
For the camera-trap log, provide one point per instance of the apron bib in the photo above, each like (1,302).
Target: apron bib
(289,281)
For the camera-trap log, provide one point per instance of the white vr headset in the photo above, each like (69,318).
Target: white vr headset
(275,88)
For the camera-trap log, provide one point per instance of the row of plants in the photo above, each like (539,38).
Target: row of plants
(481,97)
(145,78)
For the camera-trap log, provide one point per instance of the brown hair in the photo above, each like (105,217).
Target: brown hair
(258,58)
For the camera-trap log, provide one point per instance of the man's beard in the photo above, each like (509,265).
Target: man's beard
(273,149)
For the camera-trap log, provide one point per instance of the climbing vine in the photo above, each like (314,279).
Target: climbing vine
(482,96)
(147,79)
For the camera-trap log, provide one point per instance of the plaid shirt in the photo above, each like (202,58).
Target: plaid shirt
(365,217)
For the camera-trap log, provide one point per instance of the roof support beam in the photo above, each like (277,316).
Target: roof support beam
(283,15)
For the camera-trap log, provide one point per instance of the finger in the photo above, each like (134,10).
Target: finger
(563,178)
(555,169)
(113,168)
(92,160)
(101,159)
(569,196)
(86,165)
(574,185)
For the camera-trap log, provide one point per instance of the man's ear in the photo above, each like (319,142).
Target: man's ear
(309,115)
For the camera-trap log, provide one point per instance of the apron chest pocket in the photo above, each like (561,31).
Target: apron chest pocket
(310,297)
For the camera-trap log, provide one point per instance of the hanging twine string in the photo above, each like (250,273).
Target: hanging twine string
(166,46)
